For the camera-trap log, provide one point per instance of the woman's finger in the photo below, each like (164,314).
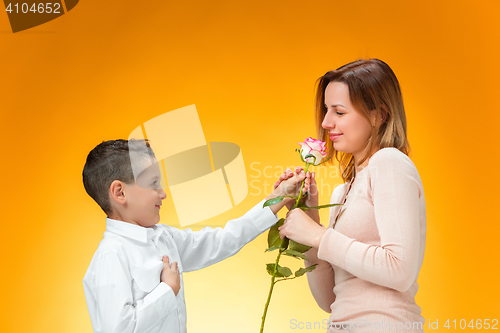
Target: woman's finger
(307,182)
(298,169)
(282,234)
(313,178)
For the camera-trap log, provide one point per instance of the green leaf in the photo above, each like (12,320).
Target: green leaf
(303,206)
(270,268)
(284,243)
(322,206)
(303,271)
(280,271)
(300,154)
(272,248)
(274,201)
(284,271)
(295,254)
(325,160)
(294,246)
(273,237)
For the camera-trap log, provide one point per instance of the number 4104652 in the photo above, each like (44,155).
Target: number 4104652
(49,8)
(478,324)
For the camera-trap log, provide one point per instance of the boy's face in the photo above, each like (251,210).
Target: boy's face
(144,198)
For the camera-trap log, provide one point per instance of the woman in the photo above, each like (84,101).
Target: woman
(370,255)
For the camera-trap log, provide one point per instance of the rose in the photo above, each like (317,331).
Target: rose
(312,147)
(312,152)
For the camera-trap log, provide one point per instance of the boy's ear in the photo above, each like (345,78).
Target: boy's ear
(117,191)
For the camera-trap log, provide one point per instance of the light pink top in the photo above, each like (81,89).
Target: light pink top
(368,263)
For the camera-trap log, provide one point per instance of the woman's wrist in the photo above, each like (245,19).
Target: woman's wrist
(313,214)
(318,237)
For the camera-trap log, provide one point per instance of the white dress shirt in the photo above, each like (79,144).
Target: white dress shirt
(122,284)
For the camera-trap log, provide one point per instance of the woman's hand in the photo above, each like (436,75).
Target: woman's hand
(312,199)
(301,228)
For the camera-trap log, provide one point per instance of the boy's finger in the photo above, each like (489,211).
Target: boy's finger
(174,266)
(165,259)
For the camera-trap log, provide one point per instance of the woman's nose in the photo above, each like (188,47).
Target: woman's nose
(328,122)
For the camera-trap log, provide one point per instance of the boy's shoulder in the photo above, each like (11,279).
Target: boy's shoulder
(110,245)
(120,241)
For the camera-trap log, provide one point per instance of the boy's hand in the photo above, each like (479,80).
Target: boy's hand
(170,275)
(311,199)
(289,184)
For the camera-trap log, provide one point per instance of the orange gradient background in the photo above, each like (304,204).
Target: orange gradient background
(104,68)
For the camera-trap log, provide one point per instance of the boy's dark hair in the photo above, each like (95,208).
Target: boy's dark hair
(110,161)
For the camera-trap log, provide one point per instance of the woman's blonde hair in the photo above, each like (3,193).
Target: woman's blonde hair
(372,86)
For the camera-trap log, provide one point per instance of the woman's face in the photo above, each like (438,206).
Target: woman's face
(347,128)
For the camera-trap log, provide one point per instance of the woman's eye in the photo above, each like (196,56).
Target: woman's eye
(339,113)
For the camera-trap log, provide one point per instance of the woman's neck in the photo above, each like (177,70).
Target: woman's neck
(359,167)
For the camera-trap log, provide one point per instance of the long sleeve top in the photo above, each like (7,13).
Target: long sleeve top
(369,260)
(122,285)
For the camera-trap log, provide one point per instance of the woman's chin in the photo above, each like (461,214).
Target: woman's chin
(338,147)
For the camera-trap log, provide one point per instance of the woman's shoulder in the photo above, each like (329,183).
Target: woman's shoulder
(392,161)
(391,156)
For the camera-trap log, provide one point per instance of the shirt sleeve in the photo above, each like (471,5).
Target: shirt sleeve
(110,301)
(396,190)
(199,249)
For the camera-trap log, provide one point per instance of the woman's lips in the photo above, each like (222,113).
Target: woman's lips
(334,136)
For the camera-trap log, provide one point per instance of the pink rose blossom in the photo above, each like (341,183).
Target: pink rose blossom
(314,147)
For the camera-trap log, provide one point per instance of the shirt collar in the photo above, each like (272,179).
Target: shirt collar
(133,231)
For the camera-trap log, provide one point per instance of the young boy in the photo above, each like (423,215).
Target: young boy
(134,282)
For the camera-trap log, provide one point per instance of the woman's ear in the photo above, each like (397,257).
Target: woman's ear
(117,192)
(383,114)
